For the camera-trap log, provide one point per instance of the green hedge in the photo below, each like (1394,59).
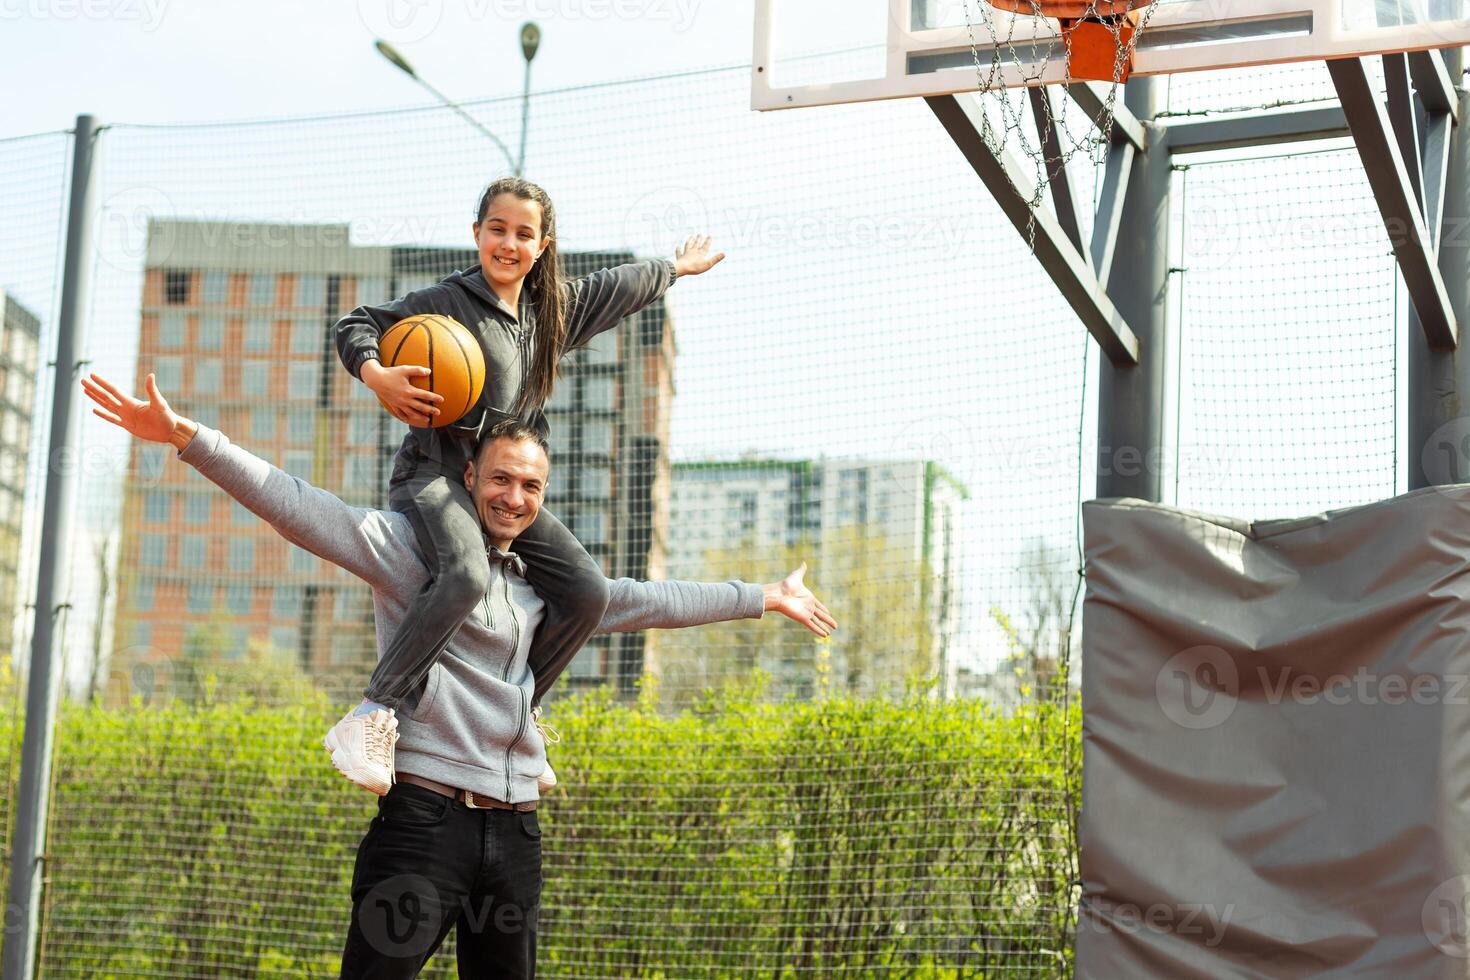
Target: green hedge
(878,838)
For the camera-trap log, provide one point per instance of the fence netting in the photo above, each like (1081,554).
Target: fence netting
(879,381)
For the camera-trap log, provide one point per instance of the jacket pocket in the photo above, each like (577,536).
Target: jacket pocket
(431,693)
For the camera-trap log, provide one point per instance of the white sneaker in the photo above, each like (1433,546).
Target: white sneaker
(362,748)
(549,736)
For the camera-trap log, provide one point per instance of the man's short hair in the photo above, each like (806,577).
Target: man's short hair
(515,430)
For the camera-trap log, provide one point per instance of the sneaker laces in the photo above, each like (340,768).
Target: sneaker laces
(549,735)
(380,740)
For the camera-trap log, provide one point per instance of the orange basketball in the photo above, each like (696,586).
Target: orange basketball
(444,346)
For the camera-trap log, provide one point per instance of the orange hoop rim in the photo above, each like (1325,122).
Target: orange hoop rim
(1071,9)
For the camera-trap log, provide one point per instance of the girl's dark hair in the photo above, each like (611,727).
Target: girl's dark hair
(544,286)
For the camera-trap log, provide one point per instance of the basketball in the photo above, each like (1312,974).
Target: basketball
(447,348)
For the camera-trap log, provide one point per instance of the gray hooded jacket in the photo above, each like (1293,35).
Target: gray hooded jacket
(472,728)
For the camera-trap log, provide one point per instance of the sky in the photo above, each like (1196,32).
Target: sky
(874,302)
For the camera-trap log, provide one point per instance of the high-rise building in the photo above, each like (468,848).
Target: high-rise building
(883,535)
(236,326)
(19,345)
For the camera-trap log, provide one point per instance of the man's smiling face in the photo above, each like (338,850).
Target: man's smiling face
(507,483)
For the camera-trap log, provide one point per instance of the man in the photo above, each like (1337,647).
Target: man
(456,842)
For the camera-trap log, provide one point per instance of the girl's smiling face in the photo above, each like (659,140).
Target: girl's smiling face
(509,239)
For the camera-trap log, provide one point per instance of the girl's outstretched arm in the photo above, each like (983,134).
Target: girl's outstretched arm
(598,301)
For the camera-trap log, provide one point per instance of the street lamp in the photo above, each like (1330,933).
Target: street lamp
(530,41)
(401,63)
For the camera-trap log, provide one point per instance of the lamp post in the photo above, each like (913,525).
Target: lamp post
(401,63)
(530,41)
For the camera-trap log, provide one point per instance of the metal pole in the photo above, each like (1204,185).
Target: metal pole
(1438,448)
(525,116)
(27,856)
(1130,415)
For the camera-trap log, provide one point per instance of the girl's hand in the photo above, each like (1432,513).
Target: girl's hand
(692,258)
(796,602)
(151,421)
(393,385)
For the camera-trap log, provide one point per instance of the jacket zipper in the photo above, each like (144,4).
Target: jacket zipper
(515,645)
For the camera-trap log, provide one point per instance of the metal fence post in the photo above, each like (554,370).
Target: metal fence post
(28,849)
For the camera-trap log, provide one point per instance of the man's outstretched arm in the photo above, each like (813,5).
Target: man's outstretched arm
(355,538)
(634,605)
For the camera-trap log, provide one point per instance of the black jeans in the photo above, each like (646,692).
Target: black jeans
(429,863)
(452,541)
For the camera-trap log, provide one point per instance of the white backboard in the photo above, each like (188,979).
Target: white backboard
(821,52)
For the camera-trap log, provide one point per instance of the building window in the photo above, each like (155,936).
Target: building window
(597,437)
(201,597)
(240,517)
(254,379)
(151,551)
(263,289)
(242,555)
(604,349)
(362,428)
(597,395)
(588,663)
(743,509)
(207,376)
(142,635)
(285,638)
(143,590)
(238,598)
(591,526)
(175,286)
(361,473)
(168,372)
(345,606)
(156,507)
(258,331)
(301,381)
(287,602)
(191,551)
(311,291)
(263,424)
(307,335)
(197,507)
(594,483)
(216,287)
(300,427)
(372,290)
(211,331)
(171,330)
(301,561)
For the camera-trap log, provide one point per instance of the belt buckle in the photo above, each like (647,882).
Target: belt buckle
(469,801)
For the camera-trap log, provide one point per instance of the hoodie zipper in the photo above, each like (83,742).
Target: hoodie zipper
(515,645)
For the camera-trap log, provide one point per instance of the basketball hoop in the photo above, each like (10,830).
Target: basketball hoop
(1015,44)
(1099,35)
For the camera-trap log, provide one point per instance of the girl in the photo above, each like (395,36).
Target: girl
(527,317)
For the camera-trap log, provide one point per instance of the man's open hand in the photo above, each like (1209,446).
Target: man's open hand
(792,599)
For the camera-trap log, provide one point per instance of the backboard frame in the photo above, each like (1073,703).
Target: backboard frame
(1185,35)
